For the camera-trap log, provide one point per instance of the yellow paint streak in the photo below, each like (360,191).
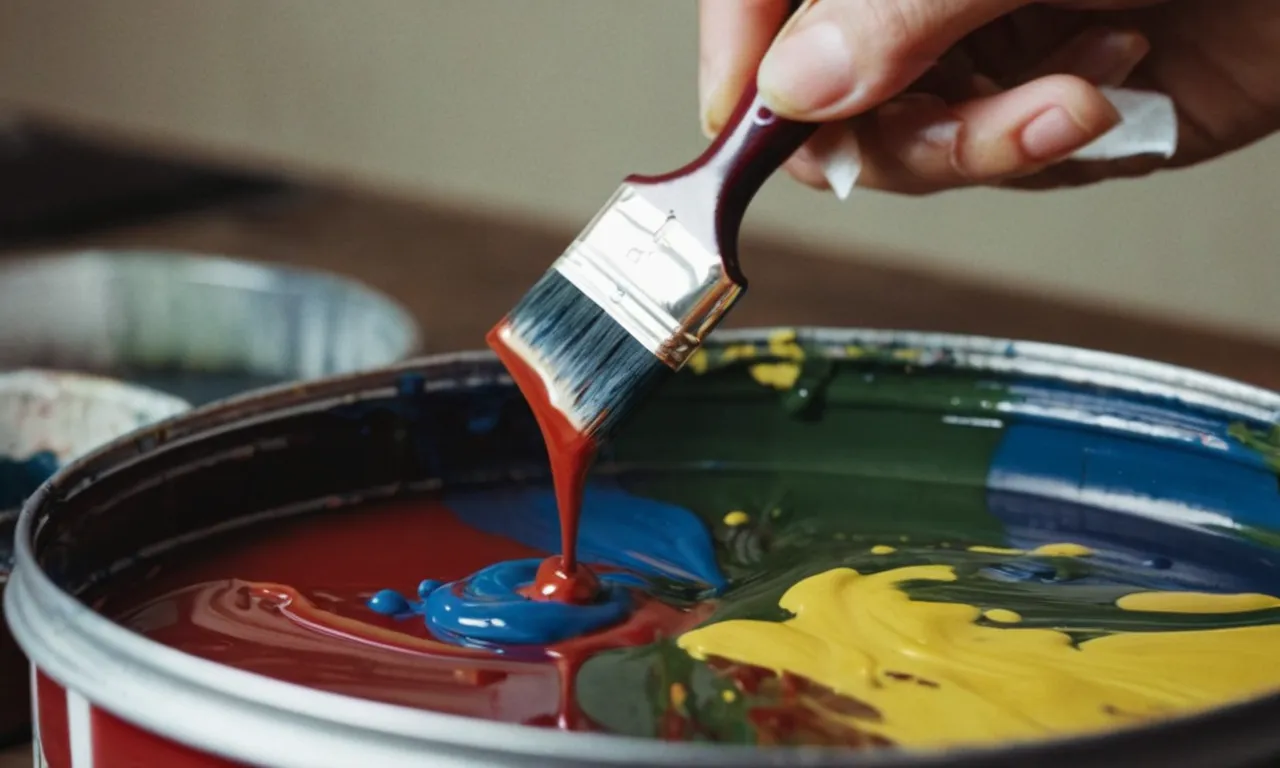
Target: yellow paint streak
(776,375)
(1196,602)
(678,695)
(783,344)
(736,517)
(1062,550)
(993,683)
(729,696)
(1003,616)
(995,550)
(882,549)
(698,362)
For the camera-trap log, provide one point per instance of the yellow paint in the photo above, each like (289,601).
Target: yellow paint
(729,696)
(678,695)
(1196,602)
(738,352)
(776,375)
(1002,616)
(854,351)
(698,362)
(783,344)
(987,683)
(882,549)
(909,355)
(736,517)
(1062,550)
(995,550)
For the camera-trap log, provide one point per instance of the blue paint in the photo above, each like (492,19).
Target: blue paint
(1160,420)
(1025,569)
(488,611)
(20,479)
(617,528)
(389,602)
(647,539)
(1171,469)
(1137,550)
(1167,477)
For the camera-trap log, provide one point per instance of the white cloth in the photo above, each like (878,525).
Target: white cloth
(1148,126)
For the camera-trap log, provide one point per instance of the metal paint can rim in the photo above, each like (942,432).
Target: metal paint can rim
(282,724)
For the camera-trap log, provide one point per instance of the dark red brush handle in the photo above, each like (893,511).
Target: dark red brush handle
(754,143)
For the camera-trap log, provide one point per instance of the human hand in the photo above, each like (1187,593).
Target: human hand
(951,93)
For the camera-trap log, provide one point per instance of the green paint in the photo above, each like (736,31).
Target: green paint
(856,454)
(1266,443)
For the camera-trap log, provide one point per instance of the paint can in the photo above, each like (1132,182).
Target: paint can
(200,327)
(107,697)
(46,420)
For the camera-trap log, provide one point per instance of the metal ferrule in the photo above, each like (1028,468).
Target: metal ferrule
(657,280)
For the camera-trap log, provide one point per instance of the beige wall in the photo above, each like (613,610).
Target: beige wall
(542,105)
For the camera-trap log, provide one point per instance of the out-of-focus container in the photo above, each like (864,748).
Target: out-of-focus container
(47,419)
(200,327)
(110,697)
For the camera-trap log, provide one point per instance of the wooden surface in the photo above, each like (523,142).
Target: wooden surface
(459,272)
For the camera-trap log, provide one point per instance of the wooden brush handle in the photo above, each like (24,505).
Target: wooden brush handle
(754,143)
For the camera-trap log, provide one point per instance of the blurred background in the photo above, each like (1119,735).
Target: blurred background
(534,110)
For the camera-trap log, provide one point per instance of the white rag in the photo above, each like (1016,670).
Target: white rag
(1148,126)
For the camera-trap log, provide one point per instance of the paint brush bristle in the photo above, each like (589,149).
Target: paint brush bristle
(595,371)
(639,290)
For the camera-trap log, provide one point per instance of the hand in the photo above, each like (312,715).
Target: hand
(952,93)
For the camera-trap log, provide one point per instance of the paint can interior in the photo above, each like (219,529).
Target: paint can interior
(201,327)
(1084,498)
(47,419)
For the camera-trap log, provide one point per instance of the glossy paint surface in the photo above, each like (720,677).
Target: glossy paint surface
(1074,537)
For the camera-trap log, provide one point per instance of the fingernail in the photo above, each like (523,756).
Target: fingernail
(1110,57)
(1053,135)
(808,70)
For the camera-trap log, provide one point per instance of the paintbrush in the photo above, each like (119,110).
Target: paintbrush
(646,281)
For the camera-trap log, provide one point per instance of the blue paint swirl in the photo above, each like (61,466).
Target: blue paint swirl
(617,528)
(488,610)
(647,539)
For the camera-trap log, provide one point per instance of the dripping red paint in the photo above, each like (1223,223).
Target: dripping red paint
(571,453)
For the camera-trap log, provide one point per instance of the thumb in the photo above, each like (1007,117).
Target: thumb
(838,58)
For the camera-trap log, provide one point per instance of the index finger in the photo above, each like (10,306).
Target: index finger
(733,36)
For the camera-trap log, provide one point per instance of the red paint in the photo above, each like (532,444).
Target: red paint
(286,599)
(555,582)
(571,453)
